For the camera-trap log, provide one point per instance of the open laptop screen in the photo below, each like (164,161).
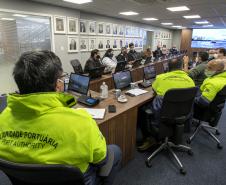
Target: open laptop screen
(149,72)
(79,83)
(122,79)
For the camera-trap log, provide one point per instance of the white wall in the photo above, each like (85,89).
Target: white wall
(6,82)
(176,38)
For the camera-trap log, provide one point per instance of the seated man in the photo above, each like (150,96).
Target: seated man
(132,55)
(214,83)
(40,127)
(221,54)
(157,53)
(198,72)
(176,78)
(93,62)
(123,55)
(108,60)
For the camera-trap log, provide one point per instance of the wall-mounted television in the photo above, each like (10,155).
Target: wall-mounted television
(208,38)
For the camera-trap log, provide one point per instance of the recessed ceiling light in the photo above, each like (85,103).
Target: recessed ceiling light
(129,13)
(178,8)
(177,26)
(79,1)
(150,19)
(192,16)
(167,23)
(7,19)
(19,15)
(201,22)
(208,25)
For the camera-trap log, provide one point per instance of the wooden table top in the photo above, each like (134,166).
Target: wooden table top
(120,107)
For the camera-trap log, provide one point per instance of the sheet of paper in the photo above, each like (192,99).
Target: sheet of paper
(137,92)
(96,113)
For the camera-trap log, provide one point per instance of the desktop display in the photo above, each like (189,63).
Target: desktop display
(165,66)
(149,72)
(122,79)
(208,38)
(79,83)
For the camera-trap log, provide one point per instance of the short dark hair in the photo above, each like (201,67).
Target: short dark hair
(175,64)
(94,52)
(37,71)
(204,56)
(223,51)
(131,44)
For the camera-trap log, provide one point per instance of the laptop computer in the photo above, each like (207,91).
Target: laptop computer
(121,65)
(149,76)
(122,79)
(148,60)
(137,63)
(96,72)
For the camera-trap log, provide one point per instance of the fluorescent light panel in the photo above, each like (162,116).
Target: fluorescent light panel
(201,22)
(129,13)
(192,16)
(208,25)
(7,19)
(167,23)
(150,19)
(178,8)
(19,15)
(177,26)
(78,1)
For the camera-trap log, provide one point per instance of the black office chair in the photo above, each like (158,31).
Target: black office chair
(176,110)
(4,179)
(77,66)
(39,174)
(208,117)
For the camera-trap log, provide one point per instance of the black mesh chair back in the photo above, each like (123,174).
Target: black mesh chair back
(77,66)
(38,174)
(177,105)
(3,102)
(212,113)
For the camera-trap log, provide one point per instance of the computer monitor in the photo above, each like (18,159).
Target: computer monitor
(120,66)
(122,79)
(79,83)
(149,72)
(137,63)
(96,72)
(165,66)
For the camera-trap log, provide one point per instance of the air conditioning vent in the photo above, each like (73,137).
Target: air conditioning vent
(151,2)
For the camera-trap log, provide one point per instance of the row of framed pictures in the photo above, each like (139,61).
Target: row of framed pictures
(76,43)
(163,35)
(71,25)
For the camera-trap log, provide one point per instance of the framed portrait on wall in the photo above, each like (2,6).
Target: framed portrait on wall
(115,43)
(121,43)
(83,26)
(100,28)
(120,30)
(72,25)
(84,44)
(60,24)
(136,43)
(108,29)
(100,43)
(141,43)
(115,29)
(92,43)
(92,27)
(108,43)
(127,42)
(127,31)
(73,44)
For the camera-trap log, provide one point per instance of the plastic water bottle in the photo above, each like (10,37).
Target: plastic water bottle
(104,91)
(66,82)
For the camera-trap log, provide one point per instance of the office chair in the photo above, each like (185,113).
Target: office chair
(39,174)
(208,117)
(3,102)
(77,66)
(4,179)
(176,110)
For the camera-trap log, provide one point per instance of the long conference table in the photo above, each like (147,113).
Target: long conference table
(120,128)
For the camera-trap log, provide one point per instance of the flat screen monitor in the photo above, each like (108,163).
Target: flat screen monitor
(165,66)
(122,79)
(208,38)
(96,72)
(120,66)
(79,83)
(149,72)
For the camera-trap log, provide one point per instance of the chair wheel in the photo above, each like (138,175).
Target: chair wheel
(219,146)
(148,164)
(190,152)
(182,171)
(217,132)
(189,141)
